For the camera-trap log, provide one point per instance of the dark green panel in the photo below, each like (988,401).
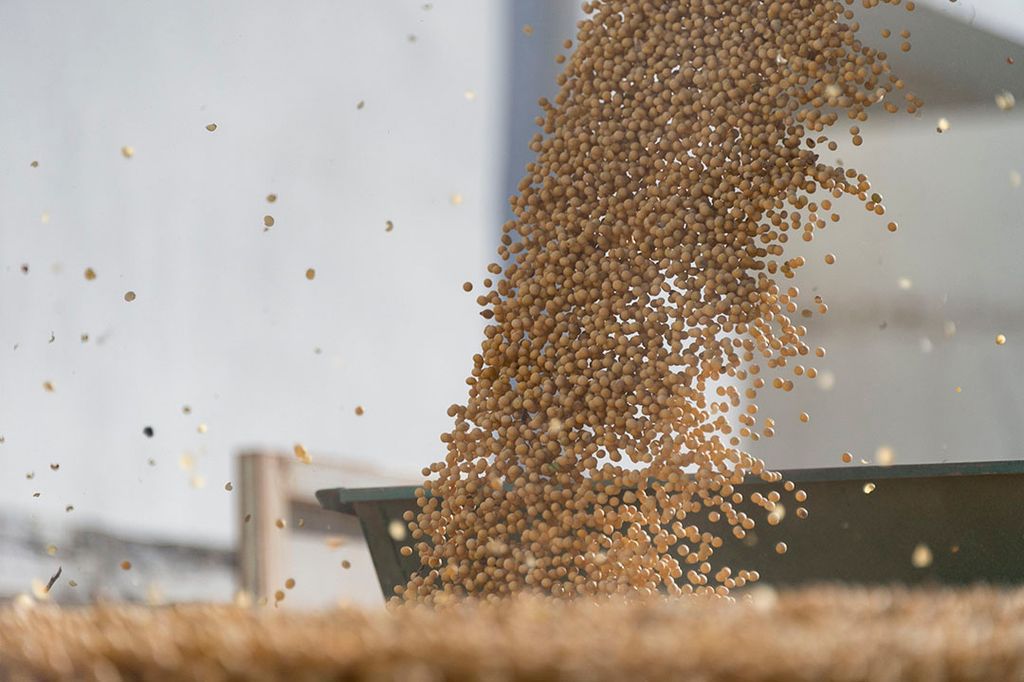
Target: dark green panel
(972,524)
(391,567)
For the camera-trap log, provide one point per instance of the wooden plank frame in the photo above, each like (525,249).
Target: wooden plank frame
(274,486)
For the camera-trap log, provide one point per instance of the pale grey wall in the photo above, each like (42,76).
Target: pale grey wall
(225,320)
(895,366)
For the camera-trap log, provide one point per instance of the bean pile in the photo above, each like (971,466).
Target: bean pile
(641,301)
(848,635)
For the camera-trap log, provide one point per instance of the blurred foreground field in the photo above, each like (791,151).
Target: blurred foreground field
(815,634)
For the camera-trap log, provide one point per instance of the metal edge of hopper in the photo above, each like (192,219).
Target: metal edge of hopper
(343,499)
(369,506)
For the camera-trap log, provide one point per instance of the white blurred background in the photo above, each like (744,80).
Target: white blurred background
(226,323)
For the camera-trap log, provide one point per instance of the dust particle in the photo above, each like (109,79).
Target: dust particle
(922,556)
(302,454)
(1005,100)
